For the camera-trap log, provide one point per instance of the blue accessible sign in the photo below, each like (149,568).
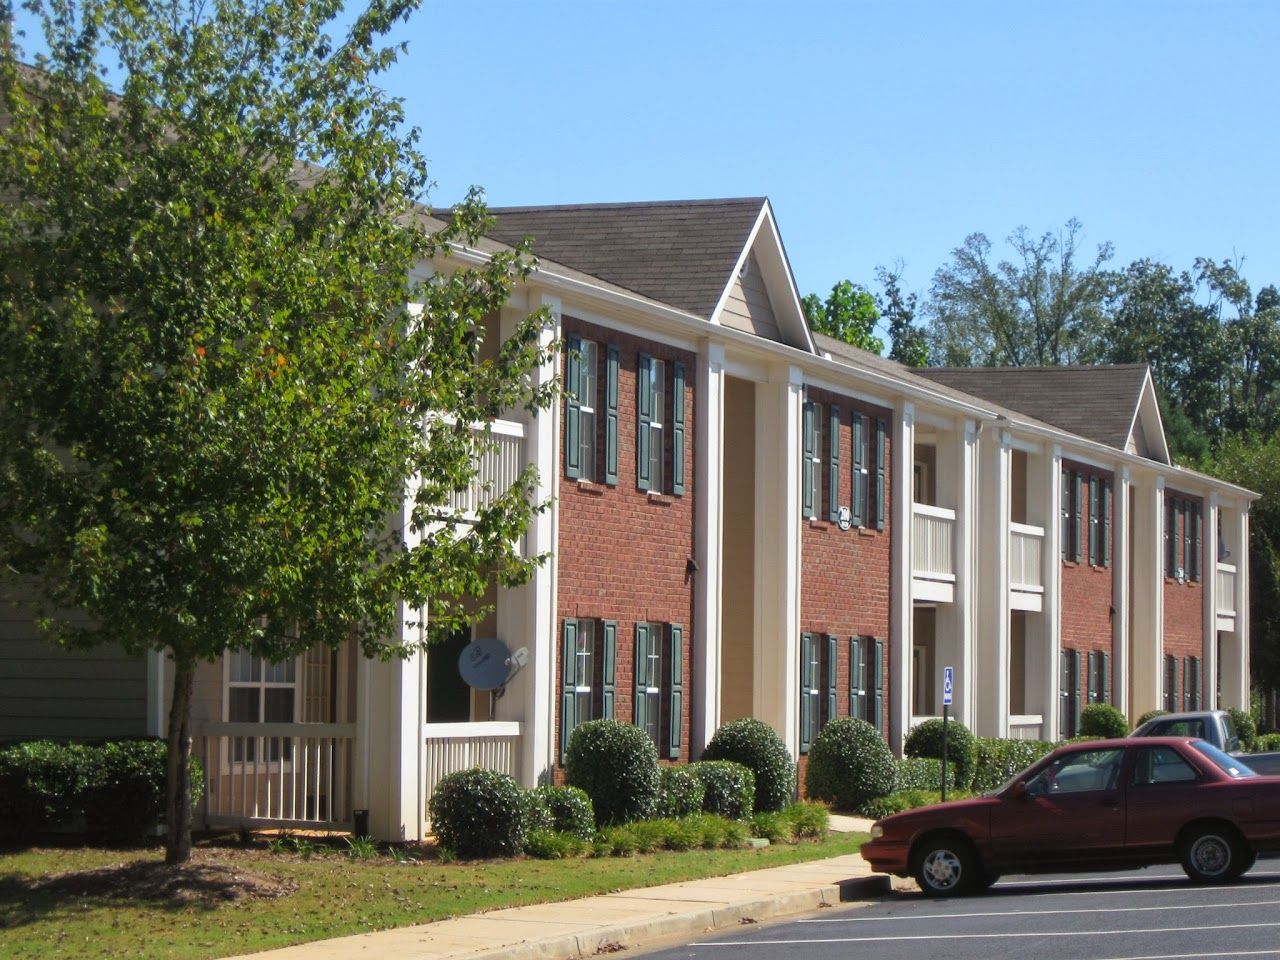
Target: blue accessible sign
(948,678)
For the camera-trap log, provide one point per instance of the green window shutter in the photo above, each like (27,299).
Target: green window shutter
(833,659)
(1106,677)
(833,465)
(1075,692)
(611,415)
(857,691)
(1195,683)
(1077,494)
(569,680)
(675,634)
(1065,533)
(859,494)
(1093,677)
(877,684)
(1170,539)
(644,419)
(810,418)
(677,428)
(1094,529)
(1186,683)
(641,712)
(1064,698)
(572,408)
(807,656)
(1106,524)
(881,489)
(1193,557)
(608,670)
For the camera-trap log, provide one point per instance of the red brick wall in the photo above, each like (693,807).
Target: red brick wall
(1184,602)
(845,575)
(1087,589)
(622,553)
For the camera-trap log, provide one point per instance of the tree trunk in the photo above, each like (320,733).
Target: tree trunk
(178,783)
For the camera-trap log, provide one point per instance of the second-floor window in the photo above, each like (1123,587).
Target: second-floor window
(660,427)
(1086,503)
(1182,534)
(591,413)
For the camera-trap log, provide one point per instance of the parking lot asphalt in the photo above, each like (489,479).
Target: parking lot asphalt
(1153,914)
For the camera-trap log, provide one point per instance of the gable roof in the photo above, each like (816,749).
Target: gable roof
(681,253)
(1098,403)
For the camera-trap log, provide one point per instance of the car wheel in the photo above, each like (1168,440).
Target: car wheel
(946,867)
(1215,855)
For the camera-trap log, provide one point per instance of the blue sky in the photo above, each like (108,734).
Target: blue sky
(880,131)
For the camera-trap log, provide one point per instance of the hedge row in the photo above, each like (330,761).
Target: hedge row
(116,788)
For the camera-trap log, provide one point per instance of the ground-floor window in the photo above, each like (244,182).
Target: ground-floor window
(259,691)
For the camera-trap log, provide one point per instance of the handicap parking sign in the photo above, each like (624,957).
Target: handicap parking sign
(948,677)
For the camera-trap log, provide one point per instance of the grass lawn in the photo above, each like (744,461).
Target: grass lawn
(68,902)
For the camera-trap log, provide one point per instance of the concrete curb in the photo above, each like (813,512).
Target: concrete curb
(601,940)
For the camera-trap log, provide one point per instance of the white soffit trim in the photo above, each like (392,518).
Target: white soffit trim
(572,309)
(1148,411)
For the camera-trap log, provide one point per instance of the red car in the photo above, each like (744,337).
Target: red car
(1102,805)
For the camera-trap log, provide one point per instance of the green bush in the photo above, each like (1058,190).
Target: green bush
(773,826)
(568,810)
(808,821)
(680,792)
(925,740)
(616,841)
(882,807)
(117,787)
(1150,715)
(728,788)
(848,764)
(1267,743)
(555,845)
(479,813)
(999,760)
(755,745)
(1103,721)
(1246,729)
(921,773)
(616,765)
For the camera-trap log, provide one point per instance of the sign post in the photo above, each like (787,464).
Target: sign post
(948,683)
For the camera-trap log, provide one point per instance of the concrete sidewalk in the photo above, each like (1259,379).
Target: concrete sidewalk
(603,924)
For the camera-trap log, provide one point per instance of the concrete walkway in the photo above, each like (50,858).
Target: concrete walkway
(604,924)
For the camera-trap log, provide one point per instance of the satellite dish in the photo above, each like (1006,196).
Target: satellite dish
(484,663)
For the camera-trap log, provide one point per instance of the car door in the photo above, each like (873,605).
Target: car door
(1165,791)
(1071,811)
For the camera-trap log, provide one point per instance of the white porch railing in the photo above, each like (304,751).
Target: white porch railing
(932,540)
(500,462)
(451,747)
(1226,590)
(1026,548)
(277,774)
(1026,727)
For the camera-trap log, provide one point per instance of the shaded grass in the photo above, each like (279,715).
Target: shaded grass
(335,896)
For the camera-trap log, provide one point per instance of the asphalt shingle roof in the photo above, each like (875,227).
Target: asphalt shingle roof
(681,253)
(1097,403)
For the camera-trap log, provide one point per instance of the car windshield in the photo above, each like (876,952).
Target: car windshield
(1228,764)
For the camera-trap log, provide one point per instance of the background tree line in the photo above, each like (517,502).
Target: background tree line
(1212,342)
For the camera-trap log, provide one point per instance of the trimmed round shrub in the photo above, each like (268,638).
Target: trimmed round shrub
(43,784)
(479,813)
(568,810)
(1103,721)
(926,741)
(1246,729)
(1000,760)
(1151,715)
(616,765)
(680,792)
(729,788)
(849,764)
(921,773)
(127,788)
(755,745)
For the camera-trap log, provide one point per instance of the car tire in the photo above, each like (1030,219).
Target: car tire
(1215,854)
(946,866)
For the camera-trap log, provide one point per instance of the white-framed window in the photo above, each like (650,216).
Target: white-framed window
(657,449)
(259,691)
(584,673)
(586,391)
(648,694)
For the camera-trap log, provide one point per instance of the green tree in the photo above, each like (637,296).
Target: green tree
(213,395)
(1039,308)
(849,313)
(1250,331)
(907,343)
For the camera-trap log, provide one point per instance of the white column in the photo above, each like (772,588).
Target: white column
(1051,558)
(1209,583)
(1146,678)
(709,517)
(997,483)
(1235,668)
(968,575)
(1121,559)
(900,613)
(777,553)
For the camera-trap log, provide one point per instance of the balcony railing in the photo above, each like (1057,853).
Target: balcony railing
(460,746)
(1026,727)
(1026,549)
(1226,590)
(499,463)
(276,774)
(933,539)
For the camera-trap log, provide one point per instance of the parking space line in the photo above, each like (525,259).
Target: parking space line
(1073,881)
(1150,886)
(1037,913)
(1199,956)
(987,936)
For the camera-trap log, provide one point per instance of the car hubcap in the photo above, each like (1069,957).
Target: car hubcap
(942,869)
(1210,855)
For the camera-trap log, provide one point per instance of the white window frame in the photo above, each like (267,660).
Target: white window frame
(589,361)
(586,650)
(259,763)
(657,438)
(653,682)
